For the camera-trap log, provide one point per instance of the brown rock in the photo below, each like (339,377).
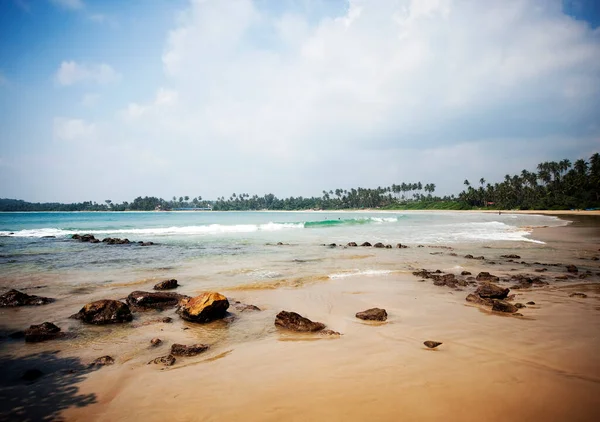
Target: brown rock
(572,269)
(155,342)
(373,314)
(193,350)
(379,245)
(352,244)
(432,344)
(519,305)
(512,256)
(329,333)
(577,294)
(168,360)
(485,276)
(104,312)
(167,320)
(207,307)
(491,291)
(531,302)
(465,273)
(153,300)
(366,244)
(473,298)
(42,332)
(166,285)
(103,361)
(16,298)
(296,322)
(503,306)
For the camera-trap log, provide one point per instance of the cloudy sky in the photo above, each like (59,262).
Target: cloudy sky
(112,100)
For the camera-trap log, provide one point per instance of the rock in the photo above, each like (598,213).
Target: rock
(156,342)
(469,256)
(432,344)
(503,306)
(167,320)
(388,246)
(103,361)
(76,236)
(243,307)
(379,245)
(572,269)
(16,298)
(352,244)
(332,245)
(473,298)
(193,350)
(204,308)
(104,311)
(491,291)
(540,270)
(595,258)
(366,244)
(295,322)
(329,333)
(153,300)
(401,246)
(373,314)
(168,360)
(48,237)
(519,305)
(562,277)
(422,273)
(531,302)
(444,280)
(481,258)
(166,285)
(512,256)
(31,375)
(465,273)
(146,243)
(42,332)
(485,276)
(577,294)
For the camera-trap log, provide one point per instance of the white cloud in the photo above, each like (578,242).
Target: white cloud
(90,99)
(69,4)
(71,72)
(73,130)
(164,99)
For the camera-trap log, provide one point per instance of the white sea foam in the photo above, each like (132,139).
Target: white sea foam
(359,273)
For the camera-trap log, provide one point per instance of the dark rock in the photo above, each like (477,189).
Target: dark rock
(432,344)
(388,246)
(366,244)
(76,236)
(485,276)
(156,342)
(243,307)
(422,273)
(491,291)
(473,298)
(373,314)
(540,270)
(469,256)
(572,269)
(168,360)
(595,258)
(48,237)
(332,245)
(444,280)
(512,256)
(167,320)
(166,285)
(329,333)
(577,294)
(31,375)
(193,350)
(104,311)
(352,244)
(295,322)
(146,243)
(379,245)
(562,277)
(42,332)
(103,361)
(17,335)
(207,307)
(531,302)
(153,300)
(503,306)
(465,273)
(16,298)
(481,258)
(401,246)
(519,305)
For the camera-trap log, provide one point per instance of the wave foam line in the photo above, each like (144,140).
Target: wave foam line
(359,273)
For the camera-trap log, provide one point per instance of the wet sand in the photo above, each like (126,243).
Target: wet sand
(541,366)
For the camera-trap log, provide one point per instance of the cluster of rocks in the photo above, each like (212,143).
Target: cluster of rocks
(90,238)
(440,279)
(16,298)
(368,244)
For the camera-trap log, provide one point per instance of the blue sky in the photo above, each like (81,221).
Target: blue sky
(111,99)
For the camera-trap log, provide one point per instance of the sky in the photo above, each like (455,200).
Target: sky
(105,99)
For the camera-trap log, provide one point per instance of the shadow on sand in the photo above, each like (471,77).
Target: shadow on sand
(39,387)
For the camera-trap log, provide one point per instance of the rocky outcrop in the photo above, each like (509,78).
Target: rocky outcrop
(103,361)
(379,245)
(115,241)
(153,300)
(42,332)
(16,298)
(503,306)
(366,244)
(193,350)
(491,291)
(207,307)
(104,311)
(444,280)
(168,360)
(432,344)
(166,285)
(352,244)
(296,322)
(373,314)
(485,276)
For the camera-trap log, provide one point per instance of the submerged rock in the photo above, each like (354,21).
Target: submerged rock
(168,360)
(329,333)
(42,332)
(103,361)
(511,256)
(572,269)
(373,314)
(243,307)
(207,307)
(166,285)
(296,322)
(193,350)
(577,294)
(16,298)
(503,306)
(491,291)
(104,311)
(153,300)
(485,276)
(432,344)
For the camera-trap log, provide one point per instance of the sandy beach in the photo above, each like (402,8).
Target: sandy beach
(542,365)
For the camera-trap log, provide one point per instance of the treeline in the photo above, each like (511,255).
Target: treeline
(555,185)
